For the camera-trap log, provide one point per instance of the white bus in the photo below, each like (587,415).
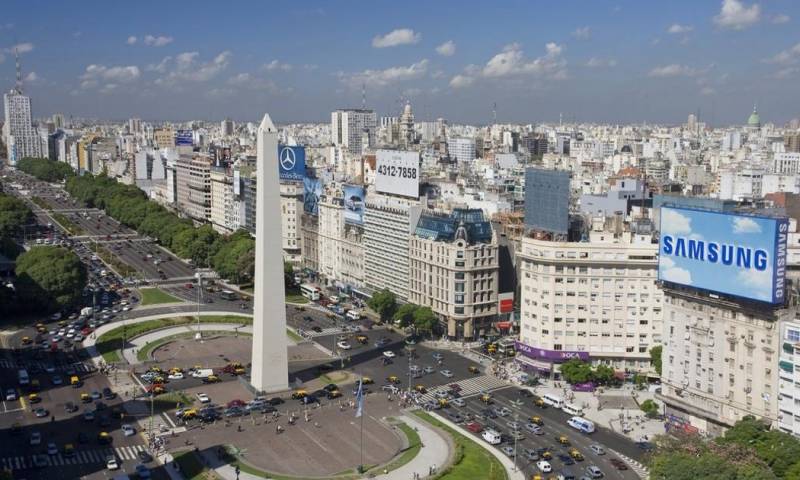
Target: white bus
(553,400)
(492,436)
(581,424)
(572,409)
(23,377)
(310,292)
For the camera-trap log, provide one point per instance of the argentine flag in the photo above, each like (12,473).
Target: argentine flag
(359,399)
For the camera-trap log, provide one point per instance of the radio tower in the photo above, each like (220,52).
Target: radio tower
(18,86)
(363,96)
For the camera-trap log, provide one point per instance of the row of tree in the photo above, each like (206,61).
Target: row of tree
(231,256)
(45,169)
(384,303)
(14,215)
(748,451)
(575,370)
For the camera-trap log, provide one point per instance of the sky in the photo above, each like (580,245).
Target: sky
(618,61)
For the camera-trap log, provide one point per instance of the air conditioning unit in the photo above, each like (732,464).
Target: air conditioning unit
(747,389)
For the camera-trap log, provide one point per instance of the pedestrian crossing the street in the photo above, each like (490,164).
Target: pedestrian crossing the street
(80,457)
(469,387)
(79,367)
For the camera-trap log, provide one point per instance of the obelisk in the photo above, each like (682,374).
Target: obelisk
(270,366)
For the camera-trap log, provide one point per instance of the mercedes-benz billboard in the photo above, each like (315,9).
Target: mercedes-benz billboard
(731,254)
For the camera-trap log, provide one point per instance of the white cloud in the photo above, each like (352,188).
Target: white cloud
(185,67)
(673,70)
(676,28)
(20,48)
(785,73)
(677,275)
(382,78)
(707,91)
(596,62)
(32,77)
(276,65)
(673,223)
(786,57)
(400,36)
(512,61)
(461,81)
(158,41)
(780,19)
(108,78)
(446,49)
(745,225)
(131,40)
(582,33)
(736,15)
(248,81)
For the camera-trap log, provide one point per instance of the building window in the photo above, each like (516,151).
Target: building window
(459,299)
(459,275)
(556,346)
(793,335)
(459,310)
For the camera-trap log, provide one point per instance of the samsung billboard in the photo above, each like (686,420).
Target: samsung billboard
(397,173)
(731,254)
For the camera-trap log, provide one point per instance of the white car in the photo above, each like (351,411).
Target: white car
(128,430)
(343,345)
(111,463)
(447,373)
(36,438)
(544,466)
(175,376)
(203,398)
(11,395)
(389,354)
(52,449)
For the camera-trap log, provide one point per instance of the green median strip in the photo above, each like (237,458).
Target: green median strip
(155,296)
(192,467)
(472,460)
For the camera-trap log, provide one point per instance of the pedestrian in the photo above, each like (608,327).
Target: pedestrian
(430,471)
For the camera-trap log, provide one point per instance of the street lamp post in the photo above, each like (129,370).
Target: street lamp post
(199,334)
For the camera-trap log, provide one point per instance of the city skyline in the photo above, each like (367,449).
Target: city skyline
(610,62)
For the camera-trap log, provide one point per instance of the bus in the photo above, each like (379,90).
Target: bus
(553,400)
(506,347)
(581,424)
(572,409)
(228,295)
(310,292)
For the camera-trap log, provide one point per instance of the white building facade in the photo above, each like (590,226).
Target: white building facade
(21,139)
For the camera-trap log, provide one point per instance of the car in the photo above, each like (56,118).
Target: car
(88,415)
(475,427)
(502,411)
(508,450)
(36,438)
(100,406)
(144,457)
(597,449)
(438,356)
(70,407)
(108,394)
(447,373)
(513,425)
(381,342)
(390,388)
(317,329)
(128,430)
(389,354)
(111,463)
(594,471)
(566,459)
(233,412)
(203,398)
(52,449)
(618,464)
(458,402)
(275,401)
(455,417)
(41,412)
(530,454)
(544,466)
(489,413)
(646,446)
(96,395)
(343,345)
(142,471)
(517,435)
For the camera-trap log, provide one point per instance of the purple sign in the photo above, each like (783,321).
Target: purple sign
(583,387)
(557,356)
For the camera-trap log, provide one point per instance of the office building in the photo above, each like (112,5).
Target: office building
(348,127)
(453,269)
(791,142)
(789,377)
(193,181)
(21,138)
(461,149)
(340,248)
(226,128)
(164,138)
(291,211)
(223,205)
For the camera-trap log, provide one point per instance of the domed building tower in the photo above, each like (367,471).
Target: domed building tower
(407,126)
(754,122)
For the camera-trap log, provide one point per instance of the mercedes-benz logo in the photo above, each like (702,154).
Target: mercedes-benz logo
(287,158)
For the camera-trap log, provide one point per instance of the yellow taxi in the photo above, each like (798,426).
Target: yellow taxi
(474,369)
(299,394)
(576,455)
(334,394)
(537,420)
(155,369)
(69,450)
(486,398)
(392,379)
(539,402)
(536,476)
(34,398)
(212,379)
(363,339)
(62,323)
(443,403)
(189,414)
(175,370)
(86,398)
(546,455)
(421,389)
(562,439)
(41,328)
(75,381)
(103,438)
(367,381)
(26,340)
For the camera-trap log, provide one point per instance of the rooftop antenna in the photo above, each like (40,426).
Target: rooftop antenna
(19,72)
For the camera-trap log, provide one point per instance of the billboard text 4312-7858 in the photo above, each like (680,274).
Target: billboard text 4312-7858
(397,172)
(732,254)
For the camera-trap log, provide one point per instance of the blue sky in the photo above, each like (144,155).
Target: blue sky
(600,61)
(752,232)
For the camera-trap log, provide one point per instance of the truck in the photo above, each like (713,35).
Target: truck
(86,311)
(202,373)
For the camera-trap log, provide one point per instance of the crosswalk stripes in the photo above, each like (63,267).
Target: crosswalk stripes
(324,332)
(641,470)
(21,462)
(469,387)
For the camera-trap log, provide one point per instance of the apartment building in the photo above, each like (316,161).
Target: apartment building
(193,182)
(291,211)
(453,269)
(789,377)
(596,300)
(222,201)
(349,126)
(309,225)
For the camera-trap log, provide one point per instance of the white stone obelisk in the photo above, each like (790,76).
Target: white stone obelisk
(270,367)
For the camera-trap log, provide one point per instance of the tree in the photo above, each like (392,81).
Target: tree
(50,278)
(384,303)
(575,370)
(14,214)
(603,374)
(655,358)
(424,319)
(45,169)
(650,408)
(404,316)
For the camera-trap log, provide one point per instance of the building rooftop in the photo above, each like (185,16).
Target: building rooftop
(467,223)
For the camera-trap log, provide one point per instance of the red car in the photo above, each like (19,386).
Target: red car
(189,285)
(454,387)
(474,427)
(236,403)
(86,331)
(618,464)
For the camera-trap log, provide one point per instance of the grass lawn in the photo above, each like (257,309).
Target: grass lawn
(472,460)
(192,468)
(109,343)
(65,222)
(154,296)
(293,295)
(297,338)
(414,445)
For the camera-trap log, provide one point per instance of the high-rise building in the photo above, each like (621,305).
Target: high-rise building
(193,174)
(21,139)
(348,127)
(461,149)
(407,126)
(226,128)
(791,142)
(134,125)
(164,138)
(291,211)
(222,200)
(453,269)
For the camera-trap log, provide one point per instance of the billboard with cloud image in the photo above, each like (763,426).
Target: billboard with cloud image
(731,254)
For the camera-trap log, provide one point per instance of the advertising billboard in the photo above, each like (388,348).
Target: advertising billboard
(354,197)
(184,138)
(291,163)
(397,172)
(505,302)
(731,254)
(312,190)
(547,195)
